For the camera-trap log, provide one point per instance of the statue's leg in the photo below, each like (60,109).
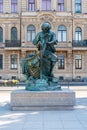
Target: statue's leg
(51,68)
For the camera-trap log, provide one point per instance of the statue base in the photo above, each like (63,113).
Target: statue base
(42,100)
(42,85)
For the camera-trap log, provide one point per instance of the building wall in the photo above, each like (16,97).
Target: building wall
(23,18)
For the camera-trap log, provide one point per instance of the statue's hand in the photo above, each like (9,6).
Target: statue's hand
(39,46)
(49,43)
(52,42)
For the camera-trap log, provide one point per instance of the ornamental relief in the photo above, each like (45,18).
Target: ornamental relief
(46,17)
(78,25)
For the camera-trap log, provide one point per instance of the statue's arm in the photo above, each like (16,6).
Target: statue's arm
(54,40)
(36,39)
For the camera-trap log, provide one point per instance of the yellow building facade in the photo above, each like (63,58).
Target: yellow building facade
(20,20)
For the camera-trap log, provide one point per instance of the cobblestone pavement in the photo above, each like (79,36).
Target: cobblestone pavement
(44,120)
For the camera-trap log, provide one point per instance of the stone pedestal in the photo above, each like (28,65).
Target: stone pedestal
(42,100)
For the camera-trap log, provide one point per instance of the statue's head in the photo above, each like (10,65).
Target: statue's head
(46,27)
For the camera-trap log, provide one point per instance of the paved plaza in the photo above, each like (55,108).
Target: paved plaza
(44,120)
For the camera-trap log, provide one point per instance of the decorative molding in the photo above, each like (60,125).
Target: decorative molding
(46,17)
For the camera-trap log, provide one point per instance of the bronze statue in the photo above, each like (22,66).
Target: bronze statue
(38,66)
(45,41)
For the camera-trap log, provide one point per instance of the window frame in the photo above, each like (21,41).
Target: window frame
(63,37)
(1,34)
(1,5)
(46,2)
(78,34)
(32,4)
(78,62)
(61,62)
(1,61)
(60,4)
(30,32)
(14,6)
(14,32)
(13,64)
(78,4)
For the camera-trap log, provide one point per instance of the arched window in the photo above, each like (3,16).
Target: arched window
(1,34)
(1,6)
(31,5)
(78,6)
(78,34)
(62,33)
(46,4)
(30,33)
(60,5)
(14,4)
(14,33)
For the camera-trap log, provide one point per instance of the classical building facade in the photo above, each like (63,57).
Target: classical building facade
(20,20)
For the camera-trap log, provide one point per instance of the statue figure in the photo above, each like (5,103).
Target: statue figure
(38,66)
(45,41)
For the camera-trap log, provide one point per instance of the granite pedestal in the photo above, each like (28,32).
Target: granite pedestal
(42,100)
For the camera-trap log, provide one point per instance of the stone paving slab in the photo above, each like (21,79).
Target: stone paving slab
(44,120)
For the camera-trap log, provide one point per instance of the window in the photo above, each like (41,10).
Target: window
(1,61)
(78,62)
(46,4)
(60,5)
(14,5)
(13,77)
(61,33)
(61,62)
(61,78)
(14,61)
(1,34)
(31,5)
(78,34)
(30,33)
(78,6)
(1,6)
(13,33)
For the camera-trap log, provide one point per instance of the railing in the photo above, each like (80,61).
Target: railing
(12,43)
(75,43)
(81,43)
